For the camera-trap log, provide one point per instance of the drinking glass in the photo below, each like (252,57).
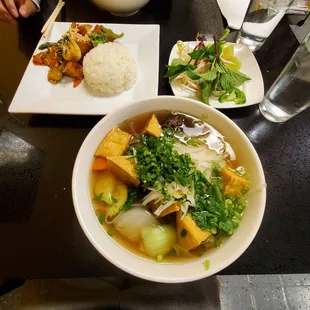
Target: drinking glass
(260,20)
(290,93)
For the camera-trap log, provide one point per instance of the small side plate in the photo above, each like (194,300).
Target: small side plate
(254,89)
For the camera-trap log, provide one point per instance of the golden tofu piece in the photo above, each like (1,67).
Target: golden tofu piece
(234,184)
(114,144)
(189,235)
(124,168)
(173,208)
(153,127)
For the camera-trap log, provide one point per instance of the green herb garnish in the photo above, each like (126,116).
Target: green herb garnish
(132,195)
(101,218)
(98,197)
(46,45)
(110,232)
(218,243)
(177,67)
(206,264)
(218,78)
(213,211)
(159,164)
(183,233)
(159,258)
(114,200)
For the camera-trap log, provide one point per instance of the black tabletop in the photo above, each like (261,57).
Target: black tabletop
(40,236)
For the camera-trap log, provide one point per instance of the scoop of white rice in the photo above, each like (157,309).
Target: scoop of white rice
(109,68)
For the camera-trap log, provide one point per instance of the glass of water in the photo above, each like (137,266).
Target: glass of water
(290,93)
(260,20)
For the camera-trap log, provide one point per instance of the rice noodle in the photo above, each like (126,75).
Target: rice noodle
(163,207)
(202,156)
(152,196)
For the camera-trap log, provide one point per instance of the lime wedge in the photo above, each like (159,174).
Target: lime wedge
(234,63)
(228,52)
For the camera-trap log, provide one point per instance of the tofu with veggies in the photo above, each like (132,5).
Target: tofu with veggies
(124,168)
(111,191)
(114,144)
(234,184)
(189,235)
(153,127)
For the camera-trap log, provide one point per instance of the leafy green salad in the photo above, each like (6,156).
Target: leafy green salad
(208,70)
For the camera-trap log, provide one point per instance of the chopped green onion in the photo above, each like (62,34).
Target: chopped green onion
(218,243)
(110,232)
(159,258)
(211,240)
(98,197)
(206,264)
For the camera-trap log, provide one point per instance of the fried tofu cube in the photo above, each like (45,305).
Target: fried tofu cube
(234,184)
(114,144)
(173,208)
(153,127)
(189,235)
(124,168)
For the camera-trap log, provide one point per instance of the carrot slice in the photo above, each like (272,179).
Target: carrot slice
(76,83)
(97,29)
(99,164)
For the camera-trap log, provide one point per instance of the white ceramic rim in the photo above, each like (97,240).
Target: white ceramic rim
(147,269)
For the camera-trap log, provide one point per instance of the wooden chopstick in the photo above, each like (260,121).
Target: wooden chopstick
(49,24)
(49,19)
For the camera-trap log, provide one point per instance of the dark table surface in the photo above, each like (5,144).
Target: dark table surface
(40,236)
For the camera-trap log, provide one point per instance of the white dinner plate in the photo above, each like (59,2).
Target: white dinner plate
(36,95)
(254,89)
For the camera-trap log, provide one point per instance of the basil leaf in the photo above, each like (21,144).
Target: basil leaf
(177,67)
(212,50)
(232,79)
(176,62)
(220,67)
(192,75)
(208,76)
(206,90)
(200,54)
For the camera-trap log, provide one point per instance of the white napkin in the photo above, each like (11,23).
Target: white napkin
(234,11)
